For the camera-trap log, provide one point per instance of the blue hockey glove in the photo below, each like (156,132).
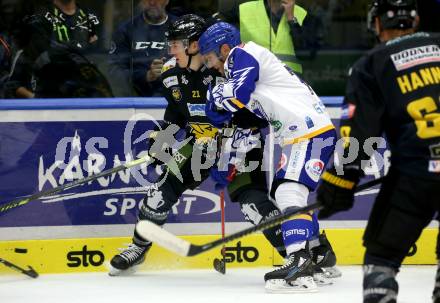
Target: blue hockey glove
(218,117)
(222,178)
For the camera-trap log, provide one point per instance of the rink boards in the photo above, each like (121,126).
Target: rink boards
(47,143)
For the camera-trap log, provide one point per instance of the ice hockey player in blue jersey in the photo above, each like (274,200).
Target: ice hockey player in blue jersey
(260,82)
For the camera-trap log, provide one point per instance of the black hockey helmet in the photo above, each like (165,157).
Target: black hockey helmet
(393,14)
(188,27)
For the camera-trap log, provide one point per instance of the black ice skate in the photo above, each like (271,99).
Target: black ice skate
(294,276)
(324,259)
(126,261)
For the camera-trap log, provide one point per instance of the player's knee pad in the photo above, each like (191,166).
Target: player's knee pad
(256,207)
(380,285)
(389,236)
(291,194)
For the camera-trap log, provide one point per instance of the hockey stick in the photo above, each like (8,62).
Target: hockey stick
(160,236)
(22,201)
(220,265)
(30,272)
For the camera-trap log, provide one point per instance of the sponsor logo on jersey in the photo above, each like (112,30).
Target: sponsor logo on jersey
(184,80)
(309,122)
(219,80)
(283,161)
(319,107)
(434,166)
(170,81)
(293,128)
(415,56)
(207,80)
(177,95)
(196,109)
(314,168)
(348,111)
(435,151)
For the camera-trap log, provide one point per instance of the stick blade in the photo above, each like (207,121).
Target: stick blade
(163,238)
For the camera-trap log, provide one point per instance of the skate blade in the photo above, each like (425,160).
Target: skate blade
(114,272)
(321,279)
(300,285)
(332,272)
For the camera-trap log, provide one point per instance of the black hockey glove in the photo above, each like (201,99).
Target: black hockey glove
(336,193)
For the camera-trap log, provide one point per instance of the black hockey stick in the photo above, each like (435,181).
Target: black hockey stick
(30,272)
(22,201)
(160,236)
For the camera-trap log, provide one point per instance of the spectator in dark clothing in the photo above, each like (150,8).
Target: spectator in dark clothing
(139,48)
(53,41)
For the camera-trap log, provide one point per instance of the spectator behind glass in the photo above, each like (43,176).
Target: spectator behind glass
(5,45)
(71,25)
(279,25)
(139,50)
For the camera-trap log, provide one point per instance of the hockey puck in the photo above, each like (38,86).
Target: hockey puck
(20,250)
(220,266)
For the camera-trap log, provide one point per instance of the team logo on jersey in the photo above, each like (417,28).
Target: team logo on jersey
(314,168)
(170,81)
(415,56)
(177,95)
(203,130)
(184,80)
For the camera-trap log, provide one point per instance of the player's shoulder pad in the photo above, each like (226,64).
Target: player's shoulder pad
(169,65)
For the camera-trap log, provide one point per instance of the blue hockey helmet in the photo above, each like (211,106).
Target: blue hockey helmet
(216,35)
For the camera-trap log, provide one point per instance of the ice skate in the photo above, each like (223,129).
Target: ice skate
(128,259)
(294,276)
(324,258)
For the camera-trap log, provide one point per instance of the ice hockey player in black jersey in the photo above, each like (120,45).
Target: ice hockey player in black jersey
(394,89)
(185,81)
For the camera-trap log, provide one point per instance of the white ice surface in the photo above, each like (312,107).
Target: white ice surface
(199,286)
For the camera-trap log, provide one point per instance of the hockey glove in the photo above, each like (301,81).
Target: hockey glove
(222,178)
(216,115)
(336,193)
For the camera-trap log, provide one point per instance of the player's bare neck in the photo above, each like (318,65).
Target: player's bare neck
(390,34)
(196,63)
(67,7)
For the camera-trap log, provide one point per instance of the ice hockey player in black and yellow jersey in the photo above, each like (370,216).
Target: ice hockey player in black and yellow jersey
(185,81)
(394,89)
